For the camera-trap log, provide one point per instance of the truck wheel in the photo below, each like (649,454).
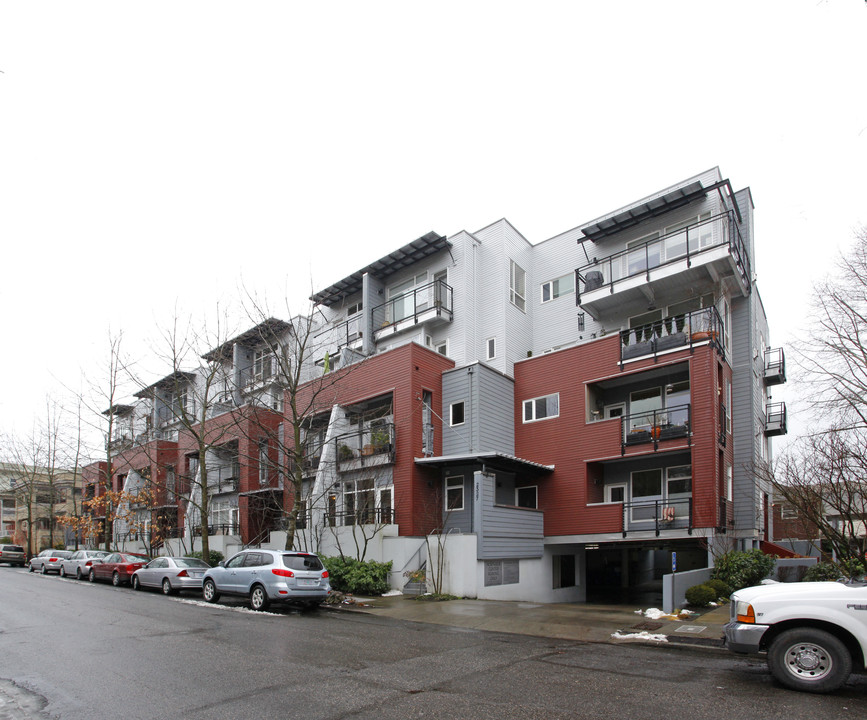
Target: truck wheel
(809,659)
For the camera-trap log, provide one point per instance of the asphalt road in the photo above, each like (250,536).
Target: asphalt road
(72,650)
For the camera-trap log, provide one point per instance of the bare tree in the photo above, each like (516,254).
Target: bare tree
(822,476)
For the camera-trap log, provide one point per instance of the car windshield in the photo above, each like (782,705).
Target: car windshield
(133,559)
(302,562)
(191,563)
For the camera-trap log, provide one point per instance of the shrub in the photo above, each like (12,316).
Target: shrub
(721,588)
(739,569)
(701,595)
(357,577)
(214,557)
(824,571)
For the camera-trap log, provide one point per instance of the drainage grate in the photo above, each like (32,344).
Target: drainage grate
(691,628)
(649,626)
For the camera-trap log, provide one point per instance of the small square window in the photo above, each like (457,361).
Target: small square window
(491,346)
(456,414)
(527,497)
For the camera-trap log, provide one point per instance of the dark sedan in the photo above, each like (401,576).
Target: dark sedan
(117,567)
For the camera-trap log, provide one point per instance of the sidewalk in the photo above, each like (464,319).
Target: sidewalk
(568,621)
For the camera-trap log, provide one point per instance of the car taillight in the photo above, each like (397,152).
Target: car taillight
(282,573)
(88,563)
(325,574)
(124,568)
(183,573)
(52,559)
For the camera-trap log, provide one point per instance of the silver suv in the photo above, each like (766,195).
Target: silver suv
(12,554)
(267,576)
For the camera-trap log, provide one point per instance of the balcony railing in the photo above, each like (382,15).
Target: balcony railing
(365,516)
(657,515)
(428,302)
(655,426)
(775,419)
(218,529)
(684,244)
(224,476)
(671,333)
(371,445)
(775,366)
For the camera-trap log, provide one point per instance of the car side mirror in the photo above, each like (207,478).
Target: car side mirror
(222,563)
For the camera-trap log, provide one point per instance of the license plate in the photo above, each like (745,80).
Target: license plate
(307,581)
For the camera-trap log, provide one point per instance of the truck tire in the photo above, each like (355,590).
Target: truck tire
(809,659)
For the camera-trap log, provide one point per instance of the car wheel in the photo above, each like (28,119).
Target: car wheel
(167,587)
(809,659)
(258,598)
(62,572)
(91,575)
(136,583)
(209,591)
(43,571)
(115,578)
(78,573)
(31,569)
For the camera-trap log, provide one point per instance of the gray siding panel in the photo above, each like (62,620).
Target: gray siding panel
(505,532)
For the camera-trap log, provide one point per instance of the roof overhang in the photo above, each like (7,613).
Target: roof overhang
(266,331)
(652,207)
(495,460)
(411,253)
(169,382)
(118,409)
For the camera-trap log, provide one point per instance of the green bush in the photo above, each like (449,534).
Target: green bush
(722,589)
(823,571)
(214,557)
(739,569)
(701,595)
(349,575)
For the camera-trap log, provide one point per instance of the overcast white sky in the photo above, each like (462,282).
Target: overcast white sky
(155,155)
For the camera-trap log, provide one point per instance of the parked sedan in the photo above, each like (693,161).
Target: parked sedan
(117,567)
(78,564)
(171,574)
(267,576)
(48,560)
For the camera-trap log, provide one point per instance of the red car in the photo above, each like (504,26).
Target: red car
(117,567)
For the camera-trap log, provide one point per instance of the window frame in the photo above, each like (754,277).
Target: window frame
(516,294)
(554,290)
(535,489)
(531,403)
(453,487)
(452,407)
(491,348)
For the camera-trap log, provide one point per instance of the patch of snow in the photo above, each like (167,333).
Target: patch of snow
(392,593)
(713,604)
(643,635)
(768,581)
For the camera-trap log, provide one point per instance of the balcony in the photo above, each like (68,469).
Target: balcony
(429,304)
(672,333)
(655,427)
(657,515)
(775,366)
(371,446)
(709,249)
(775,419)
(224,478)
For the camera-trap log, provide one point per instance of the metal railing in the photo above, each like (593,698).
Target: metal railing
(683,244)
(436,295)
(655,426)
(373,444)
(775,366)
(775,419)
(364,516)
(657,515)
(218,529)
(670,333)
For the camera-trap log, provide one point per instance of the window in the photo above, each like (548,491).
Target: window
(264,364)
(615,493)
(788,512)
(264,463)
(404,301)
(556,288)
(359,502)
(454,493)
(527,497)
(645,254)
(563,571)
(491,348)
(456,414)
(517,285)
(542,407)
(442,348)
(646,484)
(679,480)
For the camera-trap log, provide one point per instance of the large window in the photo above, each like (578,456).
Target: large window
(403,302)
(456,414)
(454,493)
(542,407)
(517,286)
(264,365)
(556,288)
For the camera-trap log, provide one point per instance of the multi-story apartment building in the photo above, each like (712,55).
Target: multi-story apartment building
(523,421)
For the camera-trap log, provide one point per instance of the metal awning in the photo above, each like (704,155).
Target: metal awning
(407,255)
(496,460)
(169,382)
(266,331)
(655,206)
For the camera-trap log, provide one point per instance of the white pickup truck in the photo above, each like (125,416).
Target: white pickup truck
(815,634)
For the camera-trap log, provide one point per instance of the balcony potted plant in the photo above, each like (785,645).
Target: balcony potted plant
(344,452)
